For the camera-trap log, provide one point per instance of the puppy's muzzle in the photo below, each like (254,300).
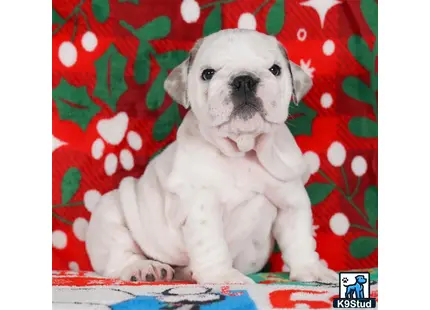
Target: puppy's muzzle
(244,98)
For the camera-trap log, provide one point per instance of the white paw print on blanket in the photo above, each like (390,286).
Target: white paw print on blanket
(112,131)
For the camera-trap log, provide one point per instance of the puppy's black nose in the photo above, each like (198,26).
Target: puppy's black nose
(244,83)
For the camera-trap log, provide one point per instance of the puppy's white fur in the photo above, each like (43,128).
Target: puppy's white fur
(215,199)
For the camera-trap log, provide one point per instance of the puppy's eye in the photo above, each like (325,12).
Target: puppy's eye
(276,70)
(207,74)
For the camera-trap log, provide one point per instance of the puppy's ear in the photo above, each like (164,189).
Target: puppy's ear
(176,82)
(301,82)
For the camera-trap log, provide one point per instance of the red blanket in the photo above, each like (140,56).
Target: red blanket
(111,114)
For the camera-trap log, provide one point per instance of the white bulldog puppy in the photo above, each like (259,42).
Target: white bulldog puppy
(212,203)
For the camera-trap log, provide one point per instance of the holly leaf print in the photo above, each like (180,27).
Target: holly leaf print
(70,184)
(74,104)
(56,18)
(171,59)
(357,89)
(361,52)
(275,18)
(158,28)
(101,9)
(213,22)
(363,246)
(131,1)
(318,192)
(363,127)
(142,63)
(369,9)
(155,95)
(371,204)
(165,123)
(301,119)
(110,69)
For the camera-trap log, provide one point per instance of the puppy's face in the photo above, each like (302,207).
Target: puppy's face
(238,80)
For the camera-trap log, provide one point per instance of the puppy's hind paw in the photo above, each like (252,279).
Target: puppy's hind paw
(313,272)
(147,271)
(183,274)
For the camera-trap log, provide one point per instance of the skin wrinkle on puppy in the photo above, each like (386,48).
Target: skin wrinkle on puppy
(214,201)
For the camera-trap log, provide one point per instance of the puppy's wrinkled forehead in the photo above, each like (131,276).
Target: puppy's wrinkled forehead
(237,47)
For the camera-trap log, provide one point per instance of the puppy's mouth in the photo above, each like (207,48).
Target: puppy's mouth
(247,109)
(254,125)
(247,112)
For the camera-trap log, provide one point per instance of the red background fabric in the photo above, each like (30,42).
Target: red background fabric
(331,122)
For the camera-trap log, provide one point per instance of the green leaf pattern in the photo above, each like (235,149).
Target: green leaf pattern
(131,1)
(303,116)
(74,104)
(354,87)
(101,9)
(275,18)
(171,59)
(156,93)
(110,68)
(371,204)
(56,18)
(166,122)
(363,127)
(142,64)
(361,52)
(363,246)
(213,22)
(318,192)
(70,184)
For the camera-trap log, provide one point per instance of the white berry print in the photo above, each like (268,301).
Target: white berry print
(190,11)
(359,166)
(89,41)
(67,54)
(339,224)
(328,47)
(326,100)
(336,154)
(247,21)
(59,239)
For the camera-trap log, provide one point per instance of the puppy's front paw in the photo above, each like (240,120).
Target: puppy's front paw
(183,274)
(231,276)
(147,271)
(315,271)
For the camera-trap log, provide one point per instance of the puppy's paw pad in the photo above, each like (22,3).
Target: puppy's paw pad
(148,271)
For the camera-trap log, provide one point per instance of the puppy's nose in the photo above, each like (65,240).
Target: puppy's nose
(244,83)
